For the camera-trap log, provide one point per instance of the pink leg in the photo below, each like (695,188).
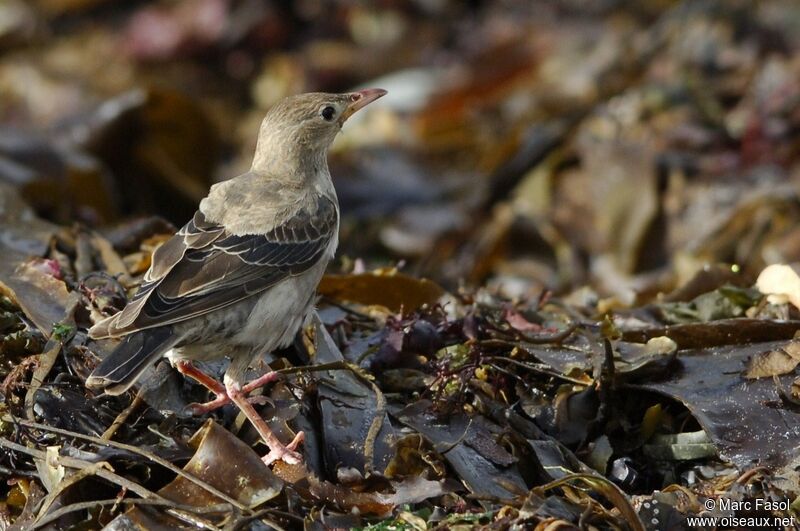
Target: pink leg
(187,368)
(277,450)
(261,381)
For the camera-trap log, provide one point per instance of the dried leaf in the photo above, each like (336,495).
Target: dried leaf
(396,291)
(603,486)
(775,362)
(43,297)
(732,412)
(411,490)
(464,445)
(222,461)
(356,429)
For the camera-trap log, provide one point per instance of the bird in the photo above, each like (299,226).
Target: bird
(240,278)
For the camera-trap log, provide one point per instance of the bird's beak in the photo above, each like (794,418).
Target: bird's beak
(361,99)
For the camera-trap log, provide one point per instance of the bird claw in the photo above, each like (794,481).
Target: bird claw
(197,409)
(287,454)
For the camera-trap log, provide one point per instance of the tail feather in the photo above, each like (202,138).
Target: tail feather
(120,370)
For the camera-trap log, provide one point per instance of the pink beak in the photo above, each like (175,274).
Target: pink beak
(361,99)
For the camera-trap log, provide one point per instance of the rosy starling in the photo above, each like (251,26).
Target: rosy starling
(239,279)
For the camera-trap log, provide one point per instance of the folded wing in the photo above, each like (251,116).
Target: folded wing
(204,268)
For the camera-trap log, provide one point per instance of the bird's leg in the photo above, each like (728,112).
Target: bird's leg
(259,382)
(277,450)
(187,368)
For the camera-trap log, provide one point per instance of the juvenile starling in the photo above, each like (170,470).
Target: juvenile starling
(239,279)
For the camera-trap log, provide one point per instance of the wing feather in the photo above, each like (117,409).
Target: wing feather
(204,268)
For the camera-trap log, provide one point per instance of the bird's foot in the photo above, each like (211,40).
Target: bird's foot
(288,454)
(277,450)
(221,395)
(198,409)
(259,382)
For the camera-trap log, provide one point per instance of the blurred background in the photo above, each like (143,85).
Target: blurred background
(606,148)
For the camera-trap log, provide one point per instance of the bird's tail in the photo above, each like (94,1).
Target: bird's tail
(120,370)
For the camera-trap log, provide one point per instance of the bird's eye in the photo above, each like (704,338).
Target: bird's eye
(328,113)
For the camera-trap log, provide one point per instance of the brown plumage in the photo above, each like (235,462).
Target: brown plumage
(239,278)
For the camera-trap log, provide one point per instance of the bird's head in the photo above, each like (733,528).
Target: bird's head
(307,124)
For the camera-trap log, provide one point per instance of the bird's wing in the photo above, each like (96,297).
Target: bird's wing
(204,268)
